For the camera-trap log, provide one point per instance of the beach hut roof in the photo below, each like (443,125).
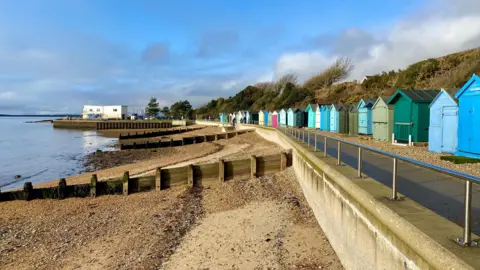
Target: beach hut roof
(347,107)
(337,107)
(467,85)
(450,95)
(384,99)
(313,106)
(299,110)
(420,96)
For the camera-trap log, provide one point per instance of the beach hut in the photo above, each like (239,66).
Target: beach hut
(298,117)
(240,117)
(411,114)
(469,118)
(365,116)
(290,116)
(265,118)
(270,114)
(254,117)
(282,118)
(318,117)
(353,120)
(325,123)
(343,118)
(261,118)
(223,117)
(275,119)
(442,132)
(247,117)
(335,117)
(382,118)
(311,112)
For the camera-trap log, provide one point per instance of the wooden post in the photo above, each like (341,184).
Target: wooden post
(253,166)
(134,145)
(204,138)
(158,179)
(93,186)
(171,142)
(283,161)
(28,191)
(216,137)
(190,175)
(194,140)
(183,141)
(221,170)
(126,178)
(62,189)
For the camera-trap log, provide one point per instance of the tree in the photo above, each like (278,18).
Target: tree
(165,110)
(152,108)
(181,109)
(336,72)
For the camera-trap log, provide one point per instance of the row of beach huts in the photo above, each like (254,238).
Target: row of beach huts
(446,120)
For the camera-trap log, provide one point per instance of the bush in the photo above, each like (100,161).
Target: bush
(460,160)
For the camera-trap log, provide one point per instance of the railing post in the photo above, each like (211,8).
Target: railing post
(303,135)
(308,138)
(339,153)
(359,165)
(324,146)
(394,180)
(467,229)
(315,142)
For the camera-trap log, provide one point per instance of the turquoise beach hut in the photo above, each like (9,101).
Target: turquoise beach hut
(283,119)
(365,116)
(223,117)
(325,123)
(311,110)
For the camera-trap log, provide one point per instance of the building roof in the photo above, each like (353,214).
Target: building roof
(421,96)
(347,107)
(467,85)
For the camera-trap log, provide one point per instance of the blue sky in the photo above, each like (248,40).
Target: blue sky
(56,56)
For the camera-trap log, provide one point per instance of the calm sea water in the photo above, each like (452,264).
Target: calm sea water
(39,153)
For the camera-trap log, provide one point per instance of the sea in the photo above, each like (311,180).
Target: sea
(37,152)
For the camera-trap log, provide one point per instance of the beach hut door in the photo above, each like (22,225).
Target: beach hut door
(469,120)
(449,129)
(402,131)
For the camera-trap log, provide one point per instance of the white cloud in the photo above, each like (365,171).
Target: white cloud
(442,31)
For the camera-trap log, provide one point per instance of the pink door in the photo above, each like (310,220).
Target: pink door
(275,120)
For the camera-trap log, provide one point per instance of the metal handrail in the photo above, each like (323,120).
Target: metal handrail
(467,239)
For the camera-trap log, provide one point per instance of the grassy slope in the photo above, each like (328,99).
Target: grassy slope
(449,72)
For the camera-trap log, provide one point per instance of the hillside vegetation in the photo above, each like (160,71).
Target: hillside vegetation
(449,72)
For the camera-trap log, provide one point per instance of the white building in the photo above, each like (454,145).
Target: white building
(105,112)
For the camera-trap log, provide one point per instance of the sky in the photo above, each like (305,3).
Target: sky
(56,56)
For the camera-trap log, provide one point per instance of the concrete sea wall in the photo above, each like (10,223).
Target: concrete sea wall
(365,229)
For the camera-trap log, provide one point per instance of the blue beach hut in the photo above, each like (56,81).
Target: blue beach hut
(283,119)
(335,117)
(365,116)
(325,123)
(442,132)
(265,118)
(469,118)
(311,110)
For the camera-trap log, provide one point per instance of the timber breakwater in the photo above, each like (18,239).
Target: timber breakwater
(105,125)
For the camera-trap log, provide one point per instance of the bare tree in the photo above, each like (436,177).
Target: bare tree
(338,71)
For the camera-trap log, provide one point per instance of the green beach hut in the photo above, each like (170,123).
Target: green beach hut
(411,114)
(353,120)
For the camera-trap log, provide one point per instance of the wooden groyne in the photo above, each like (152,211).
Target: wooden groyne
(192,175)
(150,134)
(184,141)
(105,125)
